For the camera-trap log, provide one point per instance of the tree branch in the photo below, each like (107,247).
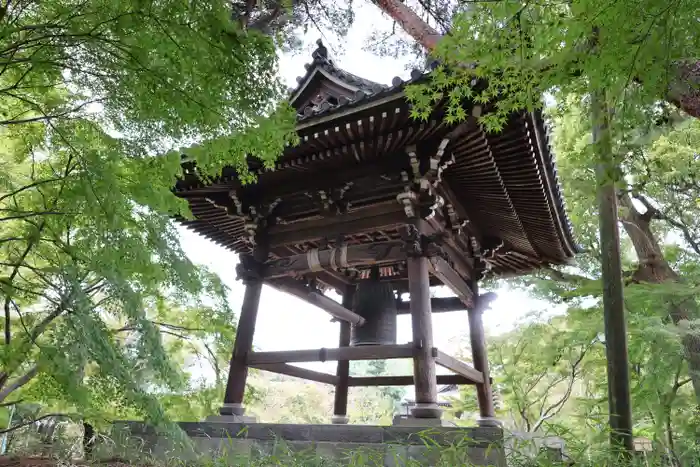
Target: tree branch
(32,422)
(18,383)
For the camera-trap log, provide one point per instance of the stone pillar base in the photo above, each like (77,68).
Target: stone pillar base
(487,422)
(232,413)
(340,420)
(232,409)
(231,419)
(426,411)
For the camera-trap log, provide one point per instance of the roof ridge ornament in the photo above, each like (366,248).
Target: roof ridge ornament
(321,52)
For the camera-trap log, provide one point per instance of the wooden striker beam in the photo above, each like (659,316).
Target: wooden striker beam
(328,305)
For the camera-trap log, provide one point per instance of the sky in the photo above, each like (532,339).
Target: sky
(288,323)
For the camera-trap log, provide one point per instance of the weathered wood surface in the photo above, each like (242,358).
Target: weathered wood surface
(238,371)
(364,381)
(342,372)
(313,297)
(356,255)
(370,352)
(377,217)
(437,305)
(297,372)
(459,367)
(424,371)
(477,339)
(446,273)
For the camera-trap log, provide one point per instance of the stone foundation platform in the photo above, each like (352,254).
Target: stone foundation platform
(390,446)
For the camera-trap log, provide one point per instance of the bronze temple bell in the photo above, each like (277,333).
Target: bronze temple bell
(376,303)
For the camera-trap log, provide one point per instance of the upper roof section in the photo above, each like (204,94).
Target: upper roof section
(325,87)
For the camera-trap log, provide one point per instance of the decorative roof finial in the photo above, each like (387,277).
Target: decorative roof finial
(321,51)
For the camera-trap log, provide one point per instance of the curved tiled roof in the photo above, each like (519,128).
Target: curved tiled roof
(506,182)
(364,89)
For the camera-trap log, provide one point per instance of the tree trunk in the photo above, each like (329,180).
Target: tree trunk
(684,92)
(653,268)
(410,22)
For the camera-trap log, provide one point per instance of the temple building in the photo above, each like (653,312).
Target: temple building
(375,204)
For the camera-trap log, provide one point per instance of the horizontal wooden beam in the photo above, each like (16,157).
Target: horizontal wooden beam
(458,366)
(380,216)
(451,278)
(352,255)
(437,305)
(364,381)
(311,181)
(297,372)
(370,352)
(313,297)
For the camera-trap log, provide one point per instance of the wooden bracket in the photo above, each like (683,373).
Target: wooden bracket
(446,273)
(459,367)
(297,372)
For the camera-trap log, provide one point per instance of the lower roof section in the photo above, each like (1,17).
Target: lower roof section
(502,188)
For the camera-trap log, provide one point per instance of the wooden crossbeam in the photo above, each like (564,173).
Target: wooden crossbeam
(355,255)
(446,273)
(370,352)
(437,305)
(314,181)
(365,381)
(297,372)
(458,366)
(377,217)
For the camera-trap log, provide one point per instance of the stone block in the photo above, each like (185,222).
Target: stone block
(422,422)
(231,419)
(393,446)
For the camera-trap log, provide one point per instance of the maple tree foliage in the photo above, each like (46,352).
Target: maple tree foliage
(98,298)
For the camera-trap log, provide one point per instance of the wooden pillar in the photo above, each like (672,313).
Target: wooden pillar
(249,269)
(424,371)
(340,404)
(480,359)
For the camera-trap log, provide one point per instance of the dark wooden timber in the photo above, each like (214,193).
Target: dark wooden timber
(613,292)
(459,367)
(315,298)
(238,372)
(424,371)
(366,381)
(437,305)
(448,276)
(377,217)
(479,357)
(363,254)
(297,372)
(340,402)
(370,352)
